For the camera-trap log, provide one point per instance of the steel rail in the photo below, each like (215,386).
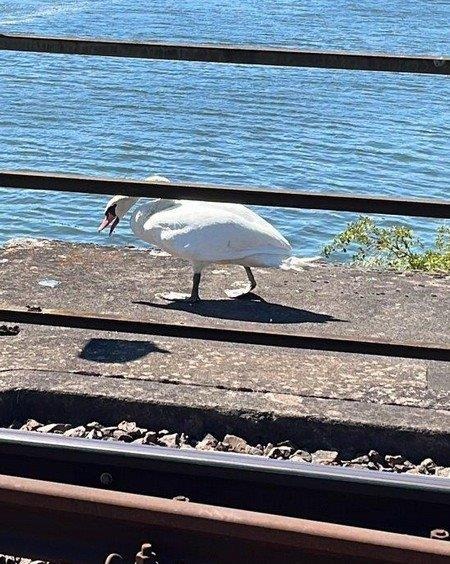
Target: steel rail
(399,503)
(83,452)
(101,322)
(138,514)
(229,54)
(261,197)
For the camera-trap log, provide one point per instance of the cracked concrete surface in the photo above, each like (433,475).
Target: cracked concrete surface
(339,388)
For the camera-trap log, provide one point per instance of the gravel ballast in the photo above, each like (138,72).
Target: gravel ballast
(130,432)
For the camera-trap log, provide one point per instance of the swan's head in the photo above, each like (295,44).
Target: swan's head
(115,209)
(118,206)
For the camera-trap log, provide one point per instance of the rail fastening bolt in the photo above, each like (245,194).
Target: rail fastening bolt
(440,534)
(106,479)
(146,555)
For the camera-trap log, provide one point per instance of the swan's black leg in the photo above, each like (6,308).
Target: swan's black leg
(176,297)
(251,278)
(195,285)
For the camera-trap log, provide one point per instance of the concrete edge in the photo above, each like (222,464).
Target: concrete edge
(350,427)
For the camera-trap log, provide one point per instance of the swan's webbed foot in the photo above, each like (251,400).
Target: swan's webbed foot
(239,292)
(191,299)
(243,292)
(179,297)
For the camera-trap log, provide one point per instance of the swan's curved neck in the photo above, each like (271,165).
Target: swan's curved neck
(127,203)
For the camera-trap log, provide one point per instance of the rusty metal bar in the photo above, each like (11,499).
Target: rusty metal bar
(204,192)
(136,513)
(230,54)
(427,351)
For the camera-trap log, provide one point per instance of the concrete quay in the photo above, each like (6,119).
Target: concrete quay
(324,400)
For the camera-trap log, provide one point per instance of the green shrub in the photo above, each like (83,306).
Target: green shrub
(392,247)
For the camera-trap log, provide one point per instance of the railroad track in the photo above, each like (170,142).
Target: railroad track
(388,503)
(80,525)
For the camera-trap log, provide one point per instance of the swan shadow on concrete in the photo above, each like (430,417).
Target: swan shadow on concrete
(118,350)
(250,307)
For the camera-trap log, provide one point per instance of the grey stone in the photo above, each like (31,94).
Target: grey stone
(286,443)
(77,432)
(301,456)
(443,472)
(254,451)
(221,447)
(373,466)
(93,425)
(407,465)
(361,459)
(280,452)
(209,442)
(401,468)
(350,464)
(122,436)
(427,466)
(108,431)
(267,449)
(150,438)
(171,441)
(127,426)
(31,425)
(375,456)
(327,457)
(132,429)
(7,560)
(94,434)
(395,459)
(54,428)
(235,444)
(414,470)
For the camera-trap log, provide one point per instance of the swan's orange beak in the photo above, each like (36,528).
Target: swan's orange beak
(111,220)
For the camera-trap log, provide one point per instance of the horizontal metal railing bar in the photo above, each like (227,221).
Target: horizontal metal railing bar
(59,318)
(231,54)
(204,192)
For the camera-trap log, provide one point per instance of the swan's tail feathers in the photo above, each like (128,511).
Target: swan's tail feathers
(298,263)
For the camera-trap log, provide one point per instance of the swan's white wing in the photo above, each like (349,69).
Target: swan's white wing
(209,232)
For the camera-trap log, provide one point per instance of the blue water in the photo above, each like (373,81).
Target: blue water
(318,130)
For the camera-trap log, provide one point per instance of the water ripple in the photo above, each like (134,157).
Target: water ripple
(308,129)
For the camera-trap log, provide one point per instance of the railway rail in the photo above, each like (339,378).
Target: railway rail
(409,504)
(66,523)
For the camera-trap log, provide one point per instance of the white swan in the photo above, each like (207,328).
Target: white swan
(203,233)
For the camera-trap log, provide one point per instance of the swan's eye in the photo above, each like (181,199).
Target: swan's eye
(111,210)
